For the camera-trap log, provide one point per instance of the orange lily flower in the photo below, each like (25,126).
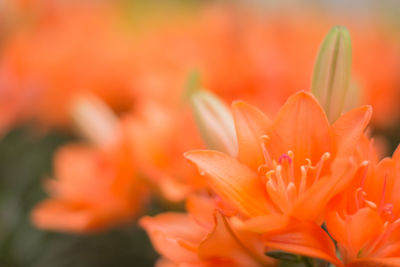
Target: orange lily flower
(286,170)
(203,237)
(96,186)
(155,131)
(365,219)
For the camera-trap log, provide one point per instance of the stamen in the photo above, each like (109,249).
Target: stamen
(281,188)
(320,164)
(262,172)
(382,202)
(269,175)
(359,197)
(290,170)
(279,180)
(291,191)
(308,162)
(364,164)
(303,179)
(273,194)
(271,185)
(291,154)
(370,204)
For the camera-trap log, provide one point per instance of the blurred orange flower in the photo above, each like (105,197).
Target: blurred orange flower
(156,134)
(47,62)
(243,54)
(96,186)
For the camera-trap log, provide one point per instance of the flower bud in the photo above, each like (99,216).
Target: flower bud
(332,70)
(94,119)
(214,121)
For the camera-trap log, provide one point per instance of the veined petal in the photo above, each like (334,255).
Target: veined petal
(337,227)
(303,127)
(222,242)
(233,181)
(375,262)
(364,225)
(266,224)
(312,203)
(201,209)
(349,128)
(304,238)
(250,125)
(174,235)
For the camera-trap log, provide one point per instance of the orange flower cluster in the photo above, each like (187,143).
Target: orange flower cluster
(291,174)
(302,186)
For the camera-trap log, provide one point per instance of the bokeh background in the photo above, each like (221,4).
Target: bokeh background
(124,49)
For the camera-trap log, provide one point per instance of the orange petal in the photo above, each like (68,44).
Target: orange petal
(266,224)
(363,226)
(302,125)
(312,203)
(61,216)
(201,209)
(349,128)
(337,227)
(250,124)
(233,181)
(172,189)
(304,238)
(375,262)
(223,243)
(356,230)
(174,235)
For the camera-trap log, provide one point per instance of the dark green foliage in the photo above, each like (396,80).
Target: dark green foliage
(25,160)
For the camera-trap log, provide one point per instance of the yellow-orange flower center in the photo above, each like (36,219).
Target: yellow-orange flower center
(280,180)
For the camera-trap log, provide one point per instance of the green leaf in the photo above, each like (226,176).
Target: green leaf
(332,71)
(192,85)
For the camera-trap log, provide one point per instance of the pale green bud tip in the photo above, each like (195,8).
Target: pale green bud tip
(94,119)
(192,85)
(332,71)
(214,121)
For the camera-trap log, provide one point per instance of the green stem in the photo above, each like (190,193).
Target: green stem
(307,261)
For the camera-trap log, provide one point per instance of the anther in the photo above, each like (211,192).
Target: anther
(285,157)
